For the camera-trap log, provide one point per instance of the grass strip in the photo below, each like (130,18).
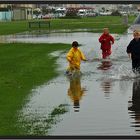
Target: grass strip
(115,23)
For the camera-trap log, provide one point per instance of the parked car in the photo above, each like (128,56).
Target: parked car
(105,13)
(37,16)
(91,14)
(46,16)
(82,12)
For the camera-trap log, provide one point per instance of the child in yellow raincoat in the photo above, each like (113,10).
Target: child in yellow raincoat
(74,56)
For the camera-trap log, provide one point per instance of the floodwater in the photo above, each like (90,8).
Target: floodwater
(105,100)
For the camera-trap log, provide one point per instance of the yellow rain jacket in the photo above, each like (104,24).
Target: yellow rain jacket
(74,57)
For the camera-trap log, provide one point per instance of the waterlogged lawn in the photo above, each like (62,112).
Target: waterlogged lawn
(22,67)
(25,66)
(95,24)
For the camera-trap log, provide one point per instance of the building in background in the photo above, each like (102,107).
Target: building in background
(10,12)
(5,13)
(22,11)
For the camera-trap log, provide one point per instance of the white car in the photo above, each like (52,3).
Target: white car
(82,12)
(37,16)
(105,13)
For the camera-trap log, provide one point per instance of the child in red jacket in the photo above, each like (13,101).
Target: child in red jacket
(106,41)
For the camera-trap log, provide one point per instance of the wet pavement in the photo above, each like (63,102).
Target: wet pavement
(103,101)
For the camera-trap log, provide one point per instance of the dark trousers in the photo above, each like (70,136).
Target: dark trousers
(136,65)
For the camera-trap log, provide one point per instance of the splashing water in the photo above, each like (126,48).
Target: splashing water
(92,55)
(124,73)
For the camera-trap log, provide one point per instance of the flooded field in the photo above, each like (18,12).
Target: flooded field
(103,101)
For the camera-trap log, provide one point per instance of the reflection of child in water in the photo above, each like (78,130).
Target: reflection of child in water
(135,107)
(106,86)
(136,96)
(75,92)
(105,65)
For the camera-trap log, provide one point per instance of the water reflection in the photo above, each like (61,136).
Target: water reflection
(106,83)
(75,92)
(135,107)
(6,38)
(105,65)
(106,87)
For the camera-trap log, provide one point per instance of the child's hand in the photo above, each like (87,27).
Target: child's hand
(129,55)
(85,59)
(69,61)
(111,42)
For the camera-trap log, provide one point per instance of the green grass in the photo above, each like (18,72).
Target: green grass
(22,67)
(13,27)
(95,24)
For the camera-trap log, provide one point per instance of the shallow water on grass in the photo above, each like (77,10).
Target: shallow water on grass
(97,103)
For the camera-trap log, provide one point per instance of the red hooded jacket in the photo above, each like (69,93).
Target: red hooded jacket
(105,40)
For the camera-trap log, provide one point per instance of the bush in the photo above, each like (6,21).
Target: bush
(71,13)
(116,13)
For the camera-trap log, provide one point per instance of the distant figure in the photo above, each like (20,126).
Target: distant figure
(74,57)
(75,92)
(106,41)
(133,50)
